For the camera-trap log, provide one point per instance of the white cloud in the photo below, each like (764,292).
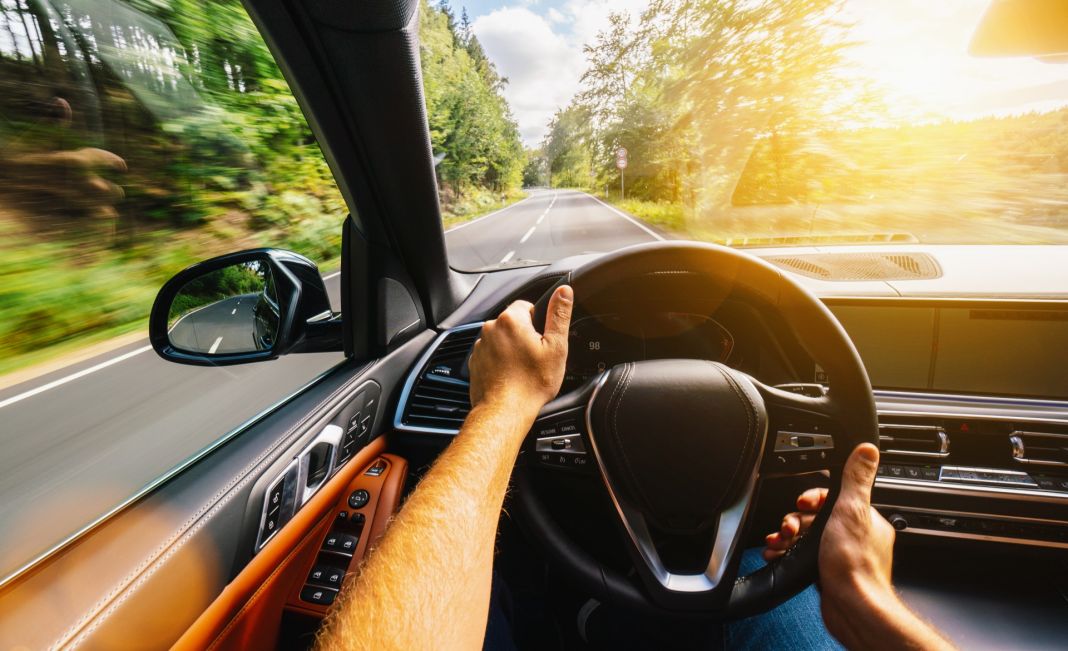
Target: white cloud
(541,54)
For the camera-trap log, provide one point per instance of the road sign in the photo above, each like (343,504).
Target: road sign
(621,158)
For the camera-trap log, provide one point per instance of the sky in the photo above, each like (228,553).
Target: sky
(916,50)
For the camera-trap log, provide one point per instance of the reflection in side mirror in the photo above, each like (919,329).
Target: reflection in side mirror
(232,310)
(244,307)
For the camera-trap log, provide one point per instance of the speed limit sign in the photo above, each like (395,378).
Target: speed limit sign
(621,158)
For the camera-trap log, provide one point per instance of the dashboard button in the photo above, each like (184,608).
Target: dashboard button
(930,474)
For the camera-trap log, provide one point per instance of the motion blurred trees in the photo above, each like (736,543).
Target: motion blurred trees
(470,121)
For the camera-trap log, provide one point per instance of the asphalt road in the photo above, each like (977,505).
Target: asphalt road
(547,225)
(78,442)
(225,326)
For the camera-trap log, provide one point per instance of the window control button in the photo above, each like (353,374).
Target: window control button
(327,576)
(317,595)
(341,543)
(377,469)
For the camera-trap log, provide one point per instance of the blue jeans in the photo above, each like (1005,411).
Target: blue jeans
(797,624)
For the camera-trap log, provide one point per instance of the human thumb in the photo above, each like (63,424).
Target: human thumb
(859,473)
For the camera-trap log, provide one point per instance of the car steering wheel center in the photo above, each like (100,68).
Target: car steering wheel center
(679,439)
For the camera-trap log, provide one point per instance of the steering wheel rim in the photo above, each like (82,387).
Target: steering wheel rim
(848,403)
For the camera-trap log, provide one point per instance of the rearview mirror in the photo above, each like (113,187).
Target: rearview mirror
(244,307)
(1012,28)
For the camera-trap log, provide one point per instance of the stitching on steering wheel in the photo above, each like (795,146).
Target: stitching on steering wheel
(750,416)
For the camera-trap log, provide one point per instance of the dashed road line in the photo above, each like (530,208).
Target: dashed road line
(215,346)
(507,257)
(527,236)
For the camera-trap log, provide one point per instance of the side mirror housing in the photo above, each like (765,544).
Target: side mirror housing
(244,307)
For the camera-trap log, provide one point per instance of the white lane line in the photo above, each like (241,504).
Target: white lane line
(215,346)
(507,257)
(495,212)
(74,376)
(233,311)
(538,223)
(630,219)
(93,369)
(527,236)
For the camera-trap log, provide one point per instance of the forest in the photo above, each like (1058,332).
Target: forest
(140,136)
(746,124)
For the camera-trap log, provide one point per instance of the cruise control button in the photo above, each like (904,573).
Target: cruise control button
(569,427)
(321,596)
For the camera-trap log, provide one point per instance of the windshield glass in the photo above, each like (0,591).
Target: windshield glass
(595,125)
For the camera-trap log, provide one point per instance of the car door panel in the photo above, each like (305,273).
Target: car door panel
(143,577)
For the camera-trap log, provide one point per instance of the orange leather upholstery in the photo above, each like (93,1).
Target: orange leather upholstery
(247,614)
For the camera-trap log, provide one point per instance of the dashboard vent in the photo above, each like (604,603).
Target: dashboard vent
(915,440)
(860,266)
(437,398)
(1041,448)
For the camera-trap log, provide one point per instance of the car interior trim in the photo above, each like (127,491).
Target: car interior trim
(977,536)
(163,479)
(968,490)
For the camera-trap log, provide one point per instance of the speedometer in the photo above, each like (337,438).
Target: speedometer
(597,343)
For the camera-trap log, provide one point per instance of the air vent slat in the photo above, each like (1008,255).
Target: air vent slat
(439,401)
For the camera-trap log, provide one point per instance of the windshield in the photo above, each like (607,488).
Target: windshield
(568,127)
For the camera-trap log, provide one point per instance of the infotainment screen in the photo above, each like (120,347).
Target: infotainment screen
(972,348)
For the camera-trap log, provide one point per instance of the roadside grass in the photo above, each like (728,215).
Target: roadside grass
(476,203)
(59,297)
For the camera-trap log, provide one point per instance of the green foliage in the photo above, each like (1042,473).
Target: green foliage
(470,122)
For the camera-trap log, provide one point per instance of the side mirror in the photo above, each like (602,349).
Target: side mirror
(244,307)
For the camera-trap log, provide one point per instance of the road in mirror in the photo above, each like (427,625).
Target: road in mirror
(228,311)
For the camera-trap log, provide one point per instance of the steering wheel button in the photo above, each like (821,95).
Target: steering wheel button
(548,430)
(569,427)
(561,444)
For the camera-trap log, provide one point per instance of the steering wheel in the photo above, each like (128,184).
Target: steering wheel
(682,444)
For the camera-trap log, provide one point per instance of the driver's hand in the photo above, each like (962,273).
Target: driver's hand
(794,525)
(514,365)
(856,552)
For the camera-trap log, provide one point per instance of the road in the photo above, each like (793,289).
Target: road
(78,442)
(225,326)
(546,226)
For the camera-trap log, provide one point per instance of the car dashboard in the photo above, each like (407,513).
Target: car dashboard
(970,391)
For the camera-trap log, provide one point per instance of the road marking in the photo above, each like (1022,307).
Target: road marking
(233,311)
(527,236)
(93,369)
(215,346)
(630,219)
(74,376)
(495,212)
(507,257)
(538,223)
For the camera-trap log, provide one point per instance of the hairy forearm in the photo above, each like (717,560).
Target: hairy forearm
(427,585)
(877,619)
